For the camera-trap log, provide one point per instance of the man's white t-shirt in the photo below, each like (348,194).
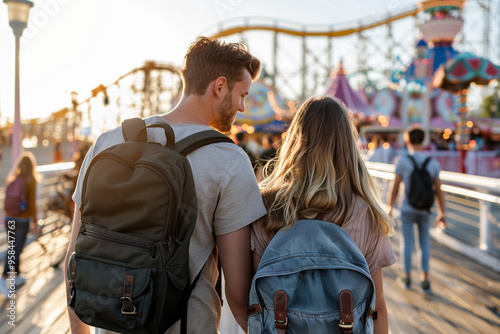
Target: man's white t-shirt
(228,199)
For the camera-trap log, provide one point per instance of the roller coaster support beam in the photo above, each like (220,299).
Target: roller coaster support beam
(304,68)
(275,57)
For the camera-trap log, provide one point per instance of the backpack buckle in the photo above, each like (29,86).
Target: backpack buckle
(254,310)
(71,294)
(346,325)
(281,323)
(280,310)
(346,302)
(128,306)
(372,314)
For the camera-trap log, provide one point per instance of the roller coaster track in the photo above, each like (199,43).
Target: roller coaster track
(296,29)
(146,68)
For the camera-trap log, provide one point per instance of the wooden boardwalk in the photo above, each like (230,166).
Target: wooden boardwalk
(466,295)
(40,303)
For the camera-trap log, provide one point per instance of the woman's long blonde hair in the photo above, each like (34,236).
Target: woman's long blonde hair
(25,167)
(319,169)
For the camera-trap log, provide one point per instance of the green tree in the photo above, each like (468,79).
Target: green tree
(490,107)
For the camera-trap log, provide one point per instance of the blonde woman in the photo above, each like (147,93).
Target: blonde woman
(17,222)
(319,173)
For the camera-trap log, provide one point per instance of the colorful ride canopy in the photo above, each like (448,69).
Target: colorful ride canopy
(262,105)
(341,89)
(465,68)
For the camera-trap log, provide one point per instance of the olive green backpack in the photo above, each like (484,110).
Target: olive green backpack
(129,272)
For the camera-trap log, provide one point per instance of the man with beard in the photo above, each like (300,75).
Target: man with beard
(217,77)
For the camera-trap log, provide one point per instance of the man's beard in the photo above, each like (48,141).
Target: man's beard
(225,119)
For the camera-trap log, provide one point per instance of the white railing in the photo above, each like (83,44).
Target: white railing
(473,213)
(481,163)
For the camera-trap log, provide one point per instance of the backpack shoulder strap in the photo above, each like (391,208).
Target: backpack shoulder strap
(426,162)
(413,161)
(131,128)
(200,139)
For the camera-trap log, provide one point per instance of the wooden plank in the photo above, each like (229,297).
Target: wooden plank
(465,296)
(399,311)
(43,294)
(43,303)
(60,325)
(28,298)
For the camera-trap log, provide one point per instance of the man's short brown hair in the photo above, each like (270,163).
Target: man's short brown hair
(208,58)
(415,135)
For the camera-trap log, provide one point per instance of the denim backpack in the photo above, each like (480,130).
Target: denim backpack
(312,278)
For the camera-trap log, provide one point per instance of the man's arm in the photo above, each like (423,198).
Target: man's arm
(236,261)
(77,327)
(394,192)
(440,221)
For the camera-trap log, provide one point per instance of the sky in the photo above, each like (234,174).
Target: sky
(75,45)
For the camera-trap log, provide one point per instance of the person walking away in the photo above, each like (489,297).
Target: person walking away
(58,153)
(217,78)
(320,174)
(410,215)
(20,213)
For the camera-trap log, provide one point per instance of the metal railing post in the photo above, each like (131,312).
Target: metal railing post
(484,225)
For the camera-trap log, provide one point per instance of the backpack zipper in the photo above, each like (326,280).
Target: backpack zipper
(119,241)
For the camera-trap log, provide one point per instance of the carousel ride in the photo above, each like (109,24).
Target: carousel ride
(265,110)
(432,89)
(411,97)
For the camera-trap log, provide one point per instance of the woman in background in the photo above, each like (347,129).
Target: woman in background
(18,219)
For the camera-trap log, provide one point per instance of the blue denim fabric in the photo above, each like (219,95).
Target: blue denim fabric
(21,229)
(407,243)
(312,262)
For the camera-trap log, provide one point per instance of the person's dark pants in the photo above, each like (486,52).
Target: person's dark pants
(20,227)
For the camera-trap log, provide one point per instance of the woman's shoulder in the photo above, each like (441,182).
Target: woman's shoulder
(360,206)
(258,237)
(361,217)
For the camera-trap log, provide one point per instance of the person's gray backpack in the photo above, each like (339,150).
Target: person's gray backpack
(312,278)
(129,272)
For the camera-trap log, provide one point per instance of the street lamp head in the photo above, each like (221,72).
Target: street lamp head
(18,15)
(74,97)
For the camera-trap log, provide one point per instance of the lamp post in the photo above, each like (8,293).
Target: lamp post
(18,20)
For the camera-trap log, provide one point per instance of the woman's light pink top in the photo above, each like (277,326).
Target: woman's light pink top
(376,249)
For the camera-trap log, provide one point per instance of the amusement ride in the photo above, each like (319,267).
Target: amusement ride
(423,73)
